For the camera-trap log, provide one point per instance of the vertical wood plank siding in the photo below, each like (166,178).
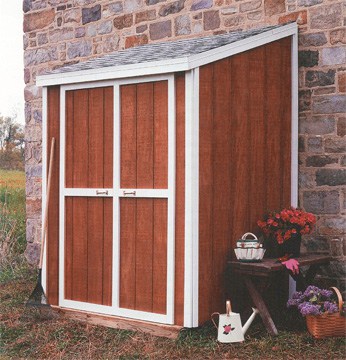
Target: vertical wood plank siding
(53,130)
(88,221)
(245,137)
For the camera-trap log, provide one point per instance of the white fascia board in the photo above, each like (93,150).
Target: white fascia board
(242,45)
(167,66)
(114,72)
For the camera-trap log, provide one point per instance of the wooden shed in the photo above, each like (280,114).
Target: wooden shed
(166,154)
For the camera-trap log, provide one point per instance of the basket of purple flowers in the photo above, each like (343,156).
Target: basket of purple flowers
(324,316)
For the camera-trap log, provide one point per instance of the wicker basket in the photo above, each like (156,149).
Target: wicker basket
(327,325)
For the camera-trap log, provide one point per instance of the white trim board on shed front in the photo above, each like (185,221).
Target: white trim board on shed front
(197,53)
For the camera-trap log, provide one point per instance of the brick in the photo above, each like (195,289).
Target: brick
(319,78)
(172,8)
(342,81)
(250,5)
(79,49)
(304,100)
(316,39)
(201,4)
(331,177)
(315,144)
(335,145)
(182,25)
(321,202)
(300,17)
(145,16)
(309,2)
(91,14)
(308,58)
(326,17)
(273,7)
(234,20)
(136,40)
(333,56)
(123,21)
(338,36)
(341,126)
(160,30)
(317,125)
(211,20)
(329,104)
(320,160)
(38,20)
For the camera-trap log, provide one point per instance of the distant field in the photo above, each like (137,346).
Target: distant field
(12,179)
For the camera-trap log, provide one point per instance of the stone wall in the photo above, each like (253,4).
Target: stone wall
(59,32)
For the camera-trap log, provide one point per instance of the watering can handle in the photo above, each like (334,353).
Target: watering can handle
(212,319)
(228,307)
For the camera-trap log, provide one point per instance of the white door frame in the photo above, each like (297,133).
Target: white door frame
(116,193)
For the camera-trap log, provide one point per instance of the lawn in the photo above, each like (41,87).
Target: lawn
(23,335)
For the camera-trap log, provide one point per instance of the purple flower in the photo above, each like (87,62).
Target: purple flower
(330,307)
(326,293)
(309,309)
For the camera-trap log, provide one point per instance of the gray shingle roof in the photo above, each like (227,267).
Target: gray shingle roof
(162,51)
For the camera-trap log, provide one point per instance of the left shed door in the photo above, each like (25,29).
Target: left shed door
(86,197)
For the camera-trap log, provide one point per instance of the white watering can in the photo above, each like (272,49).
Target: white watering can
(230,329)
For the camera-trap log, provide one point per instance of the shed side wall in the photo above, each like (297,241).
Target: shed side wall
(245,136)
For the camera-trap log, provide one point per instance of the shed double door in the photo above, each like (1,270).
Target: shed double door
(117,204)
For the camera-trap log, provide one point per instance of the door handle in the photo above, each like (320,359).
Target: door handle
(126,193)
(101,192)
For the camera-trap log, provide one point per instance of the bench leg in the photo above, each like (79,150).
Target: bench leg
(261,306)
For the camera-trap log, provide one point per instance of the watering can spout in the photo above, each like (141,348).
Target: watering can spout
(250,320)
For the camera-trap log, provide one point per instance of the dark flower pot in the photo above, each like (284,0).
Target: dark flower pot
(291,247)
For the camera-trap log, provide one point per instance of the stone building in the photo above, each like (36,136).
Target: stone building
(61,32)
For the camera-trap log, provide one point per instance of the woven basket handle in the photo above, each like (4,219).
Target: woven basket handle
(339,296)
(248,233)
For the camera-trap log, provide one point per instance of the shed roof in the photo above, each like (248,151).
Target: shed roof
(180,52)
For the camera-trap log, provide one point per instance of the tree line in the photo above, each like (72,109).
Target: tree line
(11,144)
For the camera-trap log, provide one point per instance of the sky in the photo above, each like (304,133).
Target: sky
(11,59)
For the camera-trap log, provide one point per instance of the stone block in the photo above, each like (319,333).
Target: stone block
(326,17)
(80,32)
(306,180)
(91,14)
(315,144)
(273,7)
(211,20)
(153,2)
(329,104)
(201,4)
(338,36)
(324,90)
(321,202)
(315,243)
(33,230)
(160,30)
(336,269)
(27,75)
(235,20)
(112,9)
(308,58)
(80,48)
(343,163)
(27,4)
(301,144)
(229,10)
(32,92)
(33,208)
(40,56)
(255,15)
(105,27)
(123,21)
(316,39)
(251,5)
(309,2)
(317,125)
(145,16)
(63,34)
(333,56)
(32,253)
(33,170)
(83,2)
(341,126)
(72,16)
(42,39)
(182,25)
(336,245)
(33,187)
(342,81)
(38,20)
(300,17)
(331,177)
(319,78)
(110,43)
(141,28)
(304,100)
(320,160)
(335,145)
(172,8)
(132,5)
(135,40)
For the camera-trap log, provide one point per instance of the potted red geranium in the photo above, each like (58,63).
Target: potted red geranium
(286,227)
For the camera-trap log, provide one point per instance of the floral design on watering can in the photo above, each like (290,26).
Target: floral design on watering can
(227,329)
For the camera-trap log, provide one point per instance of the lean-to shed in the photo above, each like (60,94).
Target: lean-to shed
(166,154)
